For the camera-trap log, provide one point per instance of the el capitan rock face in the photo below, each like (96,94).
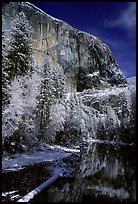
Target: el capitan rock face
(87,62)
(95,87)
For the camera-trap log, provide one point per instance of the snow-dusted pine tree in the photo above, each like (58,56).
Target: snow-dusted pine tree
(20,47)
(23,81)
(47,96)
(5,76)
(59,82)
(52,90)
(5,63)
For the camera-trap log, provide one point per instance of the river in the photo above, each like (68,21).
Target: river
(99,171)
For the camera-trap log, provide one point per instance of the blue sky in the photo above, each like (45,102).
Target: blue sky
(113,22)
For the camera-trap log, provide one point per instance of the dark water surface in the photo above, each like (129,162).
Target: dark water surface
(101,172)
(108,172)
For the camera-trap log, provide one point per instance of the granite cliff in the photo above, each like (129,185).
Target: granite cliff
(97,102)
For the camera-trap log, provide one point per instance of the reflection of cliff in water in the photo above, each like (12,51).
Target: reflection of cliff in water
(106,173)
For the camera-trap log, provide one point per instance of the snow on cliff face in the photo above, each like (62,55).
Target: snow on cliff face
(131,81)
(105,114)
(99,103)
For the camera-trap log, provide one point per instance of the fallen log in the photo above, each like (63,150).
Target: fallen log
(58,173)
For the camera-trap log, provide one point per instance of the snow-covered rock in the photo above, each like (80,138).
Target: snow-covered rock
(131,81)
(105,114)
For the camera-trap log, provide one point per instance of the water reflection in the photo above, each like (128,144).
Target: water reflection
(106,172)
(103,172)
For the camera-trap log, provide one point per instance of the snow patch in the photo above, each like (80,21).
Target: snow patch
(66,149)
(131,80)
(93,74)
(36,157)
(107,92)
(62,52)
(9,193)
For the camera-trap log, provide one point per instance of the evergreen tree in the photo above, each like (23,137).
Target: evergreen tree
(20,50)
(59,83)
(5,74)
(52,89)
(46,97)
